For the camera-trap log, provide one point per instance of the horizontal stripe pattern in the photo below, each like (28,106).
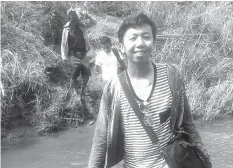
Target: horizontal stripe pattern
(139,150)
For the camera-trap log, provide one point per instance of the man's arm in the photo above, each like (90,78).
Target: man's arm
(64,44)
(98,68)
(90,21)
(189,127)
(99,146)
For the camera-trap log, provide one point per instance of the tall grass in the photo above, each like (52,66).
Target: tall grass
(198,36)
(36,81)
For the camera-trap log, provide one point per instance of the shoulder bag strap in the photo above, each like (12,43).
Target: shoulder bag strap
(116,54)
(135,108)
(118,57)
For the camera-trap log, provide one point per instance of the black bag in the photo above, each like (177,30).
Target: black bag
(182,153)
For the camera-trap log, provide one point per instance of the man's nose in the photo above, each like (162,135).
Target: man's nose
(140,42)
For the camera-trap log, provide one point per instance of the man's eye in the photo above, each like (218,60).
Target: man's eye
(132,38)
(147,37)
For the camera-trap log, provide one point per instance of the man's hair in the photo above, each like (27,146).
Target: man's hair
(72,15)
(105,40)
(134,21)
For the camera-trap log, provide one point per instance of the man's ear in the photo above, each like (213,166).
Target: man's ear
(122,48)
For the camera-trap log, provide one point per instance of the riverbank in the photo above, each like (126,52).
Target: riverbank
(21,129)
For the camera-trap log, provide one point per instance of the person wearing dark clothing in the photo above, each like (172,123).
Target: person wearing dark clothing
(75,45)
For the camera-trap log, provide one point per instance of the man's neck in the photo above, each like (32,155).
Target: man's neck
(108,53)
(74,23)
(140,70)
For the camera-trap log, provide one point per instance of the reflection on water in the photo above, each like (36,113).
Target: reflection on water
(218,138)
(65,149)
(71,148)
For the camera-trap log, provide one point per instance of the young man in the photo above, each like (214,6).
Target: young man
(109,61)
(156,88)
(75,45)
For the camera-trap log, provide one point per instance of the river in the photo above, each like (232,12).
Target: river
(71,148)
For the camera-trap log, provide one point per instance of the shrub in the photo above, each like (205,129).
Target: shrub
(32,74)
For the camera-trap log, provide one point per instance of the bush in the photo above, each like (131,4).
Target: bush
(32,74)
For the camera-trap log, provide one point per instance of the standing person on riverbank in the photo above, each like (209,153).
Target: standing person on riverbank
(75,45)
(120,132)
(109,61)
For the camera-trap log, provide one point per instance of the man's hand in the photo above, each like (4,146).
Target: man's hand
(85,12)
(64,60)
(98,69)
(88,48)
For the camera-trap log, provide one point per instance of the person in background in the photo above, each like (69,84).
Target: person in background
(120,132)
(109,61)
(75,45)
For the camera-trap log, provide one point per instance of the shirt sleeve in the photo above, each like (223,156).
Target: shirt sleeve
(190,127)
(99,146)
(64,44)
(89,22)
(98,60)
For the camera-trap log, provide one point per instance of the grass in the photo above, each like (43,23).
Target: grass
(199,43)
(198,36)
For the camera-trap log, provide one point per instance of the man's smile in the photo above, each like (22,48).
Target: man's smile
(139,53)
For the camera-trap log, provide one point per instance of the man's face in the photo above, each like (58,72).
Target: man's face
(73,16)
(106,48)
(80,16)
(138,43)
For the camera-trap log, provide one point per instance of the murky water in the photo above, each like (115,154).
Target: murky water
(65,149)
(71,148)
(218,138)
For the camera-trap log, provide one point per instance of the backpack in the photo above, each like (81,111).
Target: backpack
(122,62)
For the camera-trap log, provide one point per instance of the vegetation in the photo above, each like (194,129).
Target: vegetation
(198,36)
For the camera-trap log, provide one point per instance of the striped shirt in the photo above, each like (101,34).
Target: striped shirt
(139,150)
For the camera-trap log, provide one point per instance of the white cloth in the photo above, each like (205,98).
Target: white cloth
(108,64)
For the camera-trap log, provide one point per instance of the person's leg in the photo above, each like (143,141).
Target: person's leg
(76,83)
(85,109)
(75,72)
(85,75)
(86,72)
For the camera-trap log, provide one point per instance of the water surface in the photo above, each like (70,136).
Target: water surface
(71,148)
